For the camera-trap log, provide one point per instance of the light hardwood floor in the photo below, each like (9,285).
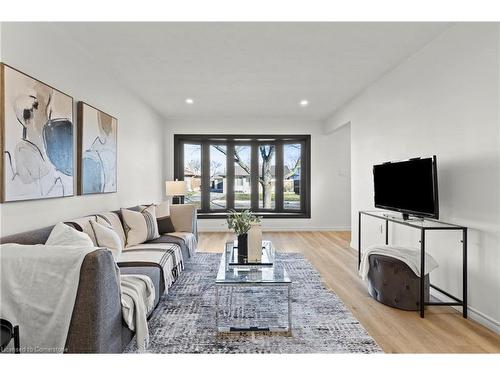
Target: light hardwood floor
(442,331)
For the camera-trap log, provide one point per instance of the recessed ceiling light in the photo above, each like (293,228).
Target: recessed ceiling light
(304,103)
(189,101)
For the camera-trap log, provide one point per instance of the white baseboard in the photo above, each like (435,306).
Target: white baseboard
(473,314)
(484,320)
(278,229)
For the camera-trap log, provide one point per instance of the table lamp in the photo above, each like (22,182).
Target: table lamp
(175,189)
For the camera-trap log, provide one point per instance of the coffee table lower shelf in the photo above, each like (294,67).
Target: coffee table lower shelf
(249,329)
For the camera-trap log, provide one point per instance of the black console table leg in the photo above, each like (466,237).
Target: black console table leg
(464,275)
(359,239)
(17,347)
(422,273)
(387,232)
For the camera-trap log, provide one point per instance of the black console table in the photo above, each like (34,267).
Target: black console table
(424,225)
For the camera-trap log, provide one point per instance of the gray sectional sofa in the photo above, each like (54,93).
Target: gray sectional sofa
(96,323)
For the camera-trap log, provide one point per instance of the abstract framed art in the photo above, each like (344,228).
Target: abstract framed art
(36,139)
(97,151)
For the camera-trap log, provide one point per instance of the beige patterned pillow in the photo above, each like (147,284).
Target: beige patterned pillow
(84,223)
(115,222)
(140,226)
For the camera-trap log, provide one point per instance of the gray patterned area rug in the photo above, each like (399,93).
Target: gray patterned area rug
(184,321)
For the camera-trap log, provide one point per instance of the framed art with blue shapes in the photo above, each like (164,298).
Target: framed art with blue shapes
(36,139)
(97,151)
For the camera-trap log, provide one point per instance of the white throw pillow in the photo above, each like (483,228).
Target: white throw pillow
(140,226)
(107,237)
(64,235)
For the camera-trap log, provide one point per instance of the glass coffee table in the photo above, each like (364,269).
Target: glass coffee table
(269,274)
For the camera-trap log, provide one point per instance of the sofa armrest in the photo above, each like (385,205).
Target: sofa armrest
(184,218)
(96,322)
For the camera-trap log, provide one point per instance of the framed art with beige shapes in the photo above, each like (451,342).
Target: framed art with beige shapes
(97,151)
(36,139)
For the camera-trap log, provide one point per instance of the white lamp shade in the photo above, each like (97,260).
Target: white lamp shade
(175,188)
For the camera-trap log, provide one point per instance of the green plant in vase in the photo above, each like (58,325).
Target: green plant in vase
(240,223)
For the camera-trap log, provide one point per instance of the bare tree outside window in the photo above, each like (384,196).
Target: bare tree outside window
(267,176)
(192,173)
(242,176)
(218,177)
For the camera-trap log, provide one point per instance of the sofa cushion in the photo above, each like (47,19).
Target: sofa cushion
(167,256)
(183,217)
(107,237)
(154,273)
(163,209)
(188,238)
(165,238)
(140,226)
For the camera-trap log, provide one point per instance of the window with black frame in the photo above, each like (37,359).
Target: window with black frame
(268,174)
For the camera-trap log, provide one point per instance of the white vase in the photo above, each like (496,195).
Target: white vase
(255,243)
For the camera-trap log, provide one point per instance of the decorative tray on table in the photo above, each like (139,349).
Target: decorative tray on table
(267,258)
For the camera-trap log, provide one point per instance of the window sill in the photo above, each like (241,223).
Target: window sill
(265,215)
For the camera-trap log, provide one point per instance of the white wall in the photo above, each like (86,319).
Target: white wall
(330,158)
(45,52)
(443,100)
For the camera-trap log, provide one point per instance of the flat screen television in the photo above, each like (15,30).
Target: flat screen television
(408,186)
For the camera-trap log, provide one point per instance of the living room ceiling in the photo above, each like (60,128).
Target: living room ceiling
(249,69)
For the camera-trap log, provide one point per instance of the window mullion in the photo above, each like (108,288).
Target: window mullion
(279,177)
(230,175)
(179,164)
(205,177)
(255,176)
(179,161)
(304,176)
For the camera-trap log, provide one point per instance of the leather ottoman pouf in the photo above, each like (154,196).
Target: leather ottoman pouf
(393,283)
